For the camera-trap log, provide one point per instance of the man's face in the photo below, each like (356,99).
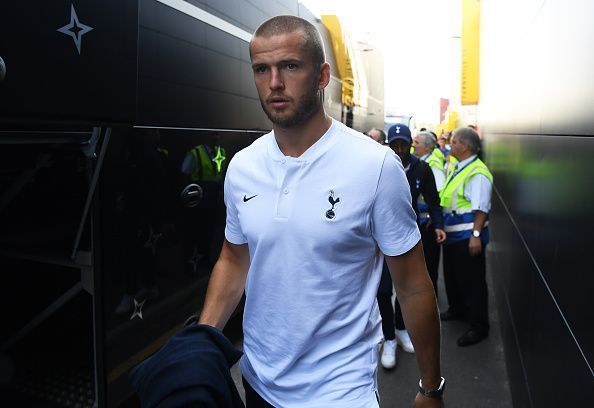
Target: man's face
(458,149)
(442,141)
(419,146)
(287,81)
(376,135)
(402,149)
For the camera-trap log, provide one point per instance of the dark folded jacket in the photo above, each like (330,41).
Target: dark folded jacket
(190,370)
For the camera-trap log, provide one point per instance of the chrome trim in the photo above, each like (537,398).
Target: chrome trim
(205,17)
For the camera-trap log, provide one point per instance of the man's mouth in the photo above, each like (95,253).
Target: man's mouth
(278,102)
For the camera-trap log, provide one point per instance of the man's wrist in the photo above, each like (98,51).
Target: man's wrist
(432,391)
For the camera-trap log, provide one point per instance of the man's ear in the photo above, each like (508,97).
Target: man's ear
(324,76)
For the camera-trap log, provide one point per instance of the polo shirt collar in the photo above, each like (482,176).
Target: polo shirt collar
(313,152)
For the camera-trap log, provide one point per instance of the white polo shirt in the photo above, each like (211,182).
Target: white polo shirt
(315,226)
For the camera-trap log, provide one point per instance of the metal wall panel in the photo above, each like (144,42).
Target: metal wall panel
(537,119)
(542,239)
(49,77)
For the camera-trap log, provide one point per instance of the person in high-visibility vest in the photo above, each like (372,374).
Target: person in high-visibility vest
(205,163)
(466,201)
(425,148)
(444,143)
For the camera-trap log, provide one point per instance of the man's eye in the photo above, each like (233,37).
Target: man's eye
(292,66)
(260,69)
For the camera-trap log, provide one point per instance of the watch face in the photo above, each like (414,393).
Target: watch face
(476,234)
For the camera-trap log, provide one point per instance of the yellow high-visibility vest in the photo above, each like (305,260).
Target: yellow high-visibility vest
(206,166)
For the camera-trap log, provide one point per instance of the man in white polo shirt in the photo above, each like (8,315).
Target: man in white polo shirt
(311,209)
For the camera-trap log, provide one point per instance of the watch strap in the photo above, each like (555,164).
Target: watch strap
(437,393)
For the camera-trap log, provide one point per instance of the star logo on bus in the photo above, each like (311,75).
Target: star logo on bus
(75,29)
(219,159)
(137,309)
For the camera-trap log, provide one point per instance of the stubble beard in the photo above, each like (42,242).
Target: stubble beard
(307,106)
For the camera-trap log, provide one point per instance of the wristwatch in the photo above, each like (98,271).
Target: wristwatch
(437,393)
(476,233)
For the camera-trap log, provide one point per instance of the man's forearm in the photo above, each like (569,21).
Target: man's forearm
(225,288)
(421,318)
(416,296)
(479,220)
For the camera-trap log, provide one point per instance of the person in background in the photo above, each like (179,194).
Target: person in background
(420,180)
(425,148)
(466,201)
(444,143)
(378,135)
(312,207)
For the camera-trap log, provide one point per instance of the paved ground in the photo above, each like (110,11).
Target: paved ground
(476,376)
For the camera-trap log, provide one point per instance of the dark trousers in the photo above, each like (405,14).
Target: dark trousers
(432,251)
(391,314)
(466,285)
(252,398)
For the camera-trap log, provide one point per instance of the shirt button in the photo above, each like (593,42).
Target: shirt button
(283,161)
(286,191)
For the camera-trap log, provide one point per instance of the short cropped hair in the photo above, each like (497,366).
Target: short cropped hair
(381,132)
(469,137)
(428,139)
(312,41)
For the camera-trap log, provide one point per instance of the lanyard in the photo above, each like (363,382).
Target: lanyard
(457,171)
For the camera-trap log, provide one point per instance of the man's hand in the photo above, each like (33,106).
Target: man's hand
(475,246)
(422,401)
(440,235)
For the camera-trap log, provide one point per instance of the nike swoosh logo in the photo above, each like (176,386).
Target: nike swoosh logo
(246,198)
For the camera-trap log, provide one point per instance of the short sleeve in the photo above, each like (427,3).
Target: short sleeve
(233,232)
(478,192)
(393,220)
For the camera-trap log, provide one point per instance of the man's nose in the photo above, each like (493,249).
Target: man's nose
(276,81)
